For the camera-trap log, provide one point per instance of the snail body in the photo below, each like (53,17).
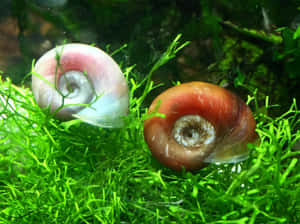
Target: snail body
(81,81)
(203,123)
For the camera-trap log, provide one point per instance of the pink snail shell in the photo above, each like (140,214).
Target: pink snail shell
(81,74)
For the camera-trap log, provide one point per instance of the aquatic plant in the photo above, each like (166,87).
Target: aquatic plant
(72,172)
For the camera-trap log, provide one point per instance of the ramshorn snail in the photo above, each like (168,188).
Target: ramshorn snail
(81,81)
(203,123)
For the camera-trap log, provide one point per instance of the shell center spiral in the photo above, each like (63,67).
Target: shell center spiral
(75,86)
(193,131)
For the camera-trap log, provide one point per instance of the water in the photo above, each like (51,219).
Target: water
(28,28)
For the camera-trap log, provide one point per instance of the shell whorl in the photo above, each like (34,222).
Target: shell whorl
(203,123)
(84,75)
(193,131)
(75,88)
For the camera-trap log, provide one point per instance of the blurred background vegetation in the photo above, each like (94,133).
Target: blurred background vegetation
(241,45)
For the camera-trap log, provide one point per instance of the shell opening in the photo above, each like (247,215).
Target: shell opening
(193,131)
(75,87)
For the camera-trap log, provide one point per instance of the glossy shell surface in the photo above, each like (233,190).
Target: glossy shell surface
(228,126)
(97,74)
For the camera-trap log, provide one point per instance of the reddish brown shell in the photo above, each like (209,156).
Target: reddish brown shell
(230,116)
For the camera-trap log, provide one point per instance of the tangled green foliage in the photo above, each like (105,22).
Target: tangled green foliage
(72,172)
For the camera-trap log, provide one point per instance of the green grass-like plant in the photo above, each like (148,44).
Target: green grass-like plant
(72,172)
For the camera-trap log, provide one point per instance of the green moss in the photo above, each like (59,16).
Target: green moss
(71,172)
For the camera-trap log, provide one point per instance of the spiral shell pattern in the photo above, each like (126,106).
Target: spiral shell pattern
(81,81)
(203,123)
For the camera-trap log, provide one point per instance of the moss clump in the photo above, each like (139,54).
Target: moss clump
(71,172)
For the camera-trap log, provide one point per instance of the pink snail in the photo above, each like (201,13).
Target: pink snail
(81,81)
(203,123)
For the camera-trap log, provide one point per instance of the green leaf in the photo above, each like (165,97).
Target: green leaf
(297,33)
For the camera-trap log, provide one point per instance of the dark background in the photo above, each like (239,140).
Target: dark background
(218,53)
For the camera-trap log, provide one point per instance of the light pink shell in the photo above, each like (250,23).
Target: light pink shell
(103,72)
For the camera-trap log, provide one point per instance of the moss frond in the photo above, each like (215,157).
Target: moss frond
(72,172)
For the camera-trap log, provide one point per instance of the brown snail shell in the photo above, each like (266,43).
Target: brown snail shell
(203,123)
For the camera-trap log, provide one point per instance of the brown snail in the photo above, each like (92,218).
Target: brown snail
(203,123)
(81,81)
